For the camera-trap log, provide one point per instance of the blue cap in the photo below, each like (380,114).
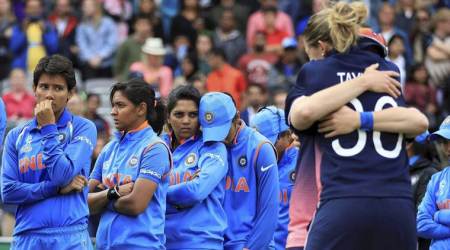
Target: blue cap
(270,122)
(289,42)
(216,112)
(444,130)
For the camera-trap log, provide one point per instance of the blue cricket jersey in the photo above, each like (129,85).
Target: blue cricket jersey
(3,120)
(195,217)
(36,162)
(137,154)
(251,192)
(362,163)
(433,216)
(286,172)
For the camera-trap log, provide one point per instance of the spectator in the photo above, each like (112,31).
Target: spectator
(404,18)
(396,48)
(66,23)
(19,101)
(76,104)
(256,22)
(93,102)
(182,24)
(97,39)
(257,64)
(180,48)
(420,94)
(386,19)
(203,47)
(240,12)
(438,53)
(274,35)
(279,97)
(227,37)
(7,21)
(189,71)
(285,71)
(130,51)
(421,35)
(292,8)
(225,78)
(149,9)
(33,38)
(152,68)
(200,85)
(121,12)
(255,99)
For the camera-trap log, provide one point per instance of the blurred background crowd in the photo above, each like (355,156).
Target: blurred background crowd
(252,49)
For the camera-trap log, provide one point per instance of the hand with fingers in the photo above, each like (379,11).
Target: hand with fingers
(76,185)
(382,81)
(343,121)
(44,113)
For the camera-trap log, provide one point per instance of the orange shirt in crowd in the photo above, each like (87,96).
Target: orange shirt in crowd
(227,79)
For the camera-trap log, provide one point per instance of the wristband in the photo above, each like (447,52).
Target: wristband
(113,193)
(366,119)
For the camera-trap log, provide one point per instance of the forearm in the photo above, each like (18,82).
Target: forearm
(16,192)
(309,109)
(408,121)
(97,202)
(126,205)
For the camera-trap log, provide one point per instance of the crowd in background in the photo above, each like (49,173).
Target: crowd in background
(252,49)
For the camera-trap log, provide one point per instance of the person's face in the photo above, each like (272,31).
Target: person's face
(260,40)
(397,48)
(190,3)
(93,103)
(214,61)
(183,119)
(187,66)
(200,86)
(154,60)
(89,8)
(18,80)
(143,28)
(53,87)
(283,142)
(269,3)
(421,75)
(63,7)
(445,145)
(290,55)
(423,20)
(5,6)
(75,105)
(33,8)
(227,21)
(280,99)
(386,15)
(269,19)
(444,25)
(147,6)
(204,45)
(125,114)
(256,97)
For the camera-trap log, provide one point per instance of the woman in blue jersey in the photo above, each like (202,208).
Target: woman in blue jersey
(45,165)
(134,169)
(270,122)
(366,190)
(433,216)
(195,218)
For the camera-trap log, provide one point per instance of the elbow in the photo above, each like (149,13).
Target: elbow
(301,117)
(135,208)
(420,123)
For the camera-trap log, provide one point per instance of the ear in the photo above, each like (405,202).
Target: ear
(324,47)
(70,95)
(142,109)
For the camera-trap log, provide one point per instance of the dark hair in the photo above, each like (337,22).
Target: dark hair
(413,70)
(192,57)
(90,95)
(261,87)
(55,65)
(269,9)
(396,36)
(219,52)
(138,91)
(184,92)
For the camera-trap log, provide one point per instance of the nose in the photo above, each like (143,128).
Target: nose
(49,95)
(186,119)
(113,111)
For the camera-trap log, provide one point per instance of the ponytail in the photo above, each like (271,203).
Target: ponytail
(157,116)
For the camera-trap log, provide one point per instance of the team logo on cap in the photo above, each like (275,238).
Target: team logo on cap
(209,116)
(292,176)
(61,137)
(190,159)
(242,161)
(133,161)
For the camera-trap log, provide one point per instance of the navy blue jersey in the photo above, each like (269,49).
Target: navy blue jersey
(359,164)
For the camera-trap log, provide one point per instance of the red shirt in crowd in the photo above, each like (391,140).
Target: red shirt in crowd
(19,105)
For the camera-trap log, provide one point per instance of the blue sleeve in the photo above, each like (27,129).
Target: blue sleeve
(13,190)
(426,226)
(64,163)
(3,121)
(110,45)
(155,163)
(443,217)
(81,39)
(20,40)
(267,203)
(97,171)
(50,39)
(213,163)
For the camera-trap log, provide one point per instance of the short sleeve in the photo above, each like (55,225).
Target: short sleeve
(155,162)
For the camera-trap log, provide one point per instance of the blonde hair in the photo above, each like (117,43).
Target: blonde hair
(337,25)
(441,15)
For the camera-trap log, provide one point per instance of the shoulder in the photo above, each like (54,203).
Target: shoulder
(15,132)
(213,147)
(108,21)
(81,122)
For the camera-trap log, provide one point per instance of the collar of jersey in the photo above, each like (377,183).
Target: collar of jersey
(239,135)
(192,138)
(65,117)
(134,134)
(289,154)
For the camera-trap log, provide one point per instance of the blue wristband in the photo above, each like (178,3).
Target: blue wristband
(366,119)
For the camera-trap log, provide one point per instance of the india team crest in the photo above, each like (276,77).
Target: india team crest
(133,161)
(292,176)
(209,116)
(242,161)
(61,137)
(190,159)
